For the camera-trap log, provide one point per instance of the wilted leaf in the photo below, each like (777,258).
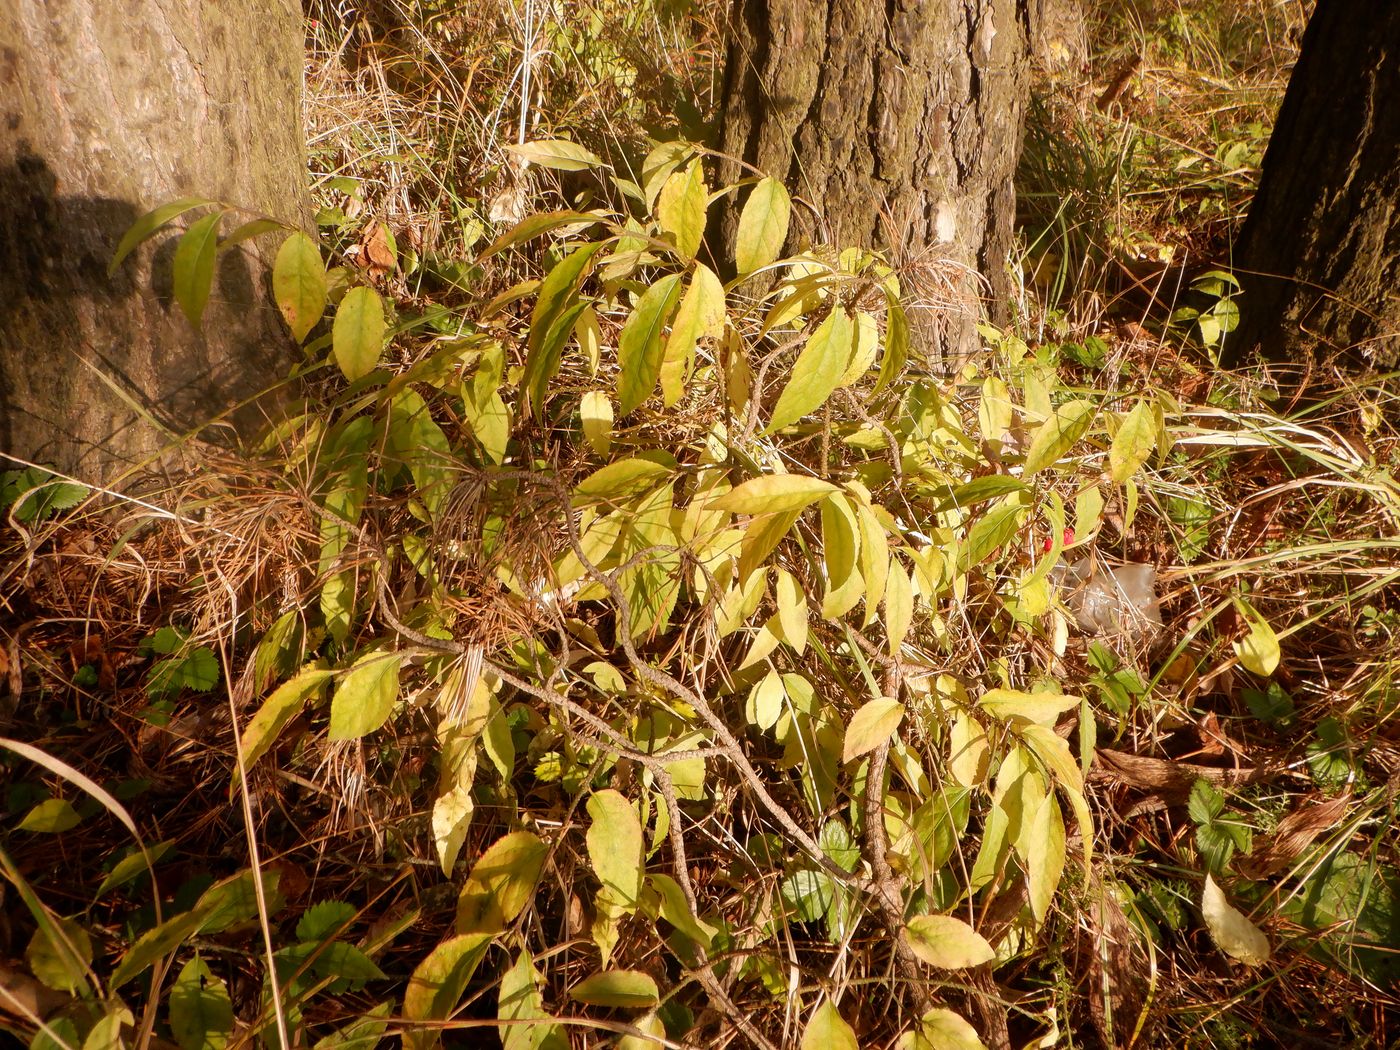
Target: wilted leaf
(763,225)
(872,726)
(452,815)
(1234,934)
(947,942)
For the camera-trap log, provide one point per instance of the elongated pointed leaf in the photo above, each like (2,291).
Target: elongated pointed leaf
(774,493)
(437,985)
(628,988)
(639,347)
(194,266)
(151,222)
(1133,443)
(1235,935)
(615,846)
(559,154)
(763,225)
(1058,434)
(501,883)
(700,314)
(681,206)
(874,724)
(816,372)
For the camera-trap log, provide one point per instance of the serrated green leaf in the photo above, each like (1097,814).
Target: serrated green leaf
(194,266)
(324,920)
(365,696)
(947,942)
(299,284)
(1057,435)
(639,346)
(357,336)
(625,988)
(816,372)
(59,955)
(558,154)
(763,226)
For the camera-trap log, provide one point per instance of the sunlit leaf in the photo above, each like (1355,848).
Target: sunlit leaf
(828,1031)
(871,726)
(1133,443)
(452,815)
(700,315)
(559,154)
(357,336)
(365,696)
(639,346)
(816,372)
(51,816)
(1041,708)
(616,846)
(681,206)
(1258,650)
(277,710)
(150,223)
(1234,934)
(438,983)
(201,1012)
(617,481)
(774,493)
(763,225)
(947,942)
(1058,434)
(626,988)
(501,883)
(299,284)
(596,414)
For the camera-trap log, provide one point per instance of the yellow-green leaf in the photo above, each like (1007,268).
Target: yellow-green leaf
(452,815)
(1259,650)
(1057,435)
(501,883)
(59,954)
(51,816)
(617,481)
(149,223)
(365,696)
(840,557)
(700,315)
(942,1029)
(559,154)
(1133,443)
(201,1012)
(357,336)
(681,206)
(816,372)
(1044,855)
(872,726)
(792,609)
(899,605)
(947,942)
(299,284)
(1234,934)
(828,1031)
(765,702)
(763,225)
(438,983)
(626,988)
(194,266)
(969,755)
(1040,708)
(639,346)
(616,846)
(774,494)
(277,710)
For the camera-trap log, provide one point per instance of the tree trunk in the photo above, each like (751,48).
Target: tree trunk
(1319,257)
(108,110)
(895,125)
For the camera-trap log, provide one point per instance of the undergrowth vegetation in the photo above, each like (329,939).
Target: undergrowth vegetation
(602,652)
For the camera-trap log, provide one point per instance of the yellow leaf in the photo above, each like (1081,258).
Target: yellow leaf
(827,1031)
(816,371)
(681,206)
(700,315)
(774,493)
(1058,434)
(1234,934)
(1259,650)
(872,726)
(792,610)
(1040,708)
(840,556)
(947,942)
(899,605)
(763,226)
(596,412)
(1133,443)
(969,755)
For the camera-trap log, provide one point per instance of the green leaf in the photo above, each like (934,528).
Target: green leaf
(132,865)
(616,847)
(774,494)
(438,983)
(840,555)
(947,942)
(992,531)
(681,207)
(364,1033)
(896,344)
(51,816)
(1057,435)
(627,988)
(557,306)
(149,223)
(299,284)
(357,337)
(59,955)
(201,1013)
(415,440)
(559,154)
(809,893)
(763,226)
(1259,650)
(248,230)
(817,370)
(1040,708)
(1133,443)
(639,346)
(1204,803)
(827,1031)
(194,266)
(501,883)
(519,998)
(365,696)
(675,909)
(872,726)
(533,226)
(324,920)
(277,710)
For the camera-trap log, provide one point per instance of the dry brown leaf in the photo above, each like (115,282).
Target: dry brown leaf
(1294,834)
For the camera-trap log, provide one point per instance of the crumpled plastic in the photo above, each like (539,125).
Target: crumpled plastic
(1111,600)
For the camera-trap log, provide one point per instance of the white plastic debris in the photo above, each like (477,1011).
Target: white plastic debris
(1118,600)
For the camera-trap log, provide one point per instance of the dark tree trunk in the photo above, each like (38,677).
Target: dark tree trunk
(1319,258)
(895,125)
(107,110)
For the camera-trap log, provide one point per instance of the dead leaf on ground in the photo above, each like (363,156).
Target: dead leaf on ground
(1294,834)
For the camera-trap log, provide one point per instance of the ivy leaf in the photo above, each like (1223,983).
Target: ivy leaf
(763,225)
(947,942)
(357,336)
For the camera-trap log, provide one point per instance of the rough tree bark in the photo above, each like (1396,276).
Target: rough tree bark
(1319,257)
(106,111)
(898,125)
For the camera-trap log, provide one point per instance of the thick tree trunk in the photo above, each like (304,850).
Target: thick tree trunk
(106,111)
(895,125)
(1319,257)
